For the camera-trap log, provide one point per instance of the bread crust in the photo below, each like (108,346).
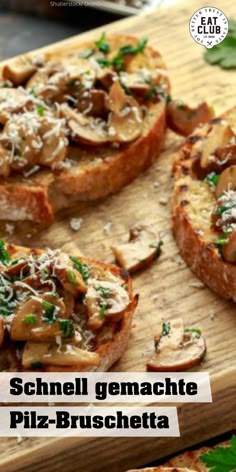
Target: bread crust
(192,206)
(92,179)
(110,351)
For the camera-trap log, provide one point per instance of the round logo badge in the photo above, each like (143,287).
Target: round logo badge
(208,26)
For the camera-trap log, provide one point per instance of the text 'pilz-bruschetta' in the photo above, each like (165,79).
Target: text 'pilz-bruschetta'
(78,124)
(204,205)
(61,313)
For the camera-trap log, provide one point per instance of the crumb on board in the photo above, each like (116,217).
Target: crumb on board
(197,284)
(9,228)
(107,227)
(163,200)
(75,223)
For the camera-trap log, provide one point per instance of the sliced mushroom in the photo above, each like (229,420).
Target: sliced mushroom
(177,349)
(87,130)
(53,134)
(41,319)
(93,103)
(19,268)
(40,354)
(13,101)
(183,120)
(106,77)
(18,73)
(229,248)
(5,159)
(71,279)
(219,136)
(125,118)
(142,248)
(227,181)
(2,331)
(105,300)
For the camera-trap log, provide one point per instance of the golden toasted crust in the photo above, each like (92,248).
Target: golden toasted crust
(98,172)
(193,203)
(109,351)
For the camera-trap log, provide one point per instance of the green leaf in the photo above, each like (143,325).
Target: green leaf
(223,54)
(71,277)
(103,291)
(103,62)
(165,328)
(103,308)
(67,328)
(4,254)
(81,267)
(212,179)
(50,311)
(40,110)
(102,44)
(86,53)
(36,365)
(221,459)
(30,319)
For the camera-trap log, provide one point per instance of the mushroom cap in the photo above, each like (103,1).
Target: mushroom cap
(227,181)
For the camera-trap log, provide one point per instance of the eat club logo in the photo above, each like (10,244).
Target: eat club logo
(208,26)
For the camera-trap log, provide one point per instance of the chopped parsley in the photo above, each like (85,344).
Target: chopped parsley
(103,62)
(181,106)
(193,330)
(4,254)
(125,88)
(50,311)
(103,308)
(40,110)
(30,319)
(222,240)
(81,267)
(67,328)
(117,62)
(87,53)
(102,44)
(103,291)
(165,328)
(36,365)
(212,179)
(6,84)
(71,277)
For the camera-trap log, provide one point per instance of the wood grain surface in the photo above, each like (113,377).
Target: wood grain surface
(167,289)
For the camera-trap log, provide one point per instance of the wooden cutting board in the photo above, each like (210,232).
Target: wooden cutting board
(167,289)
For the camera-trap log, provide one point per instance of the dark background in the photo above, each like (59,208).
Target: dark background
(27,25)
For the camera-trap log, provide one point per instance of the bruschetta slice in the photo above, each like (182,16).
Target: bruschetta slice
(61,313)
(204,204)
(79,124)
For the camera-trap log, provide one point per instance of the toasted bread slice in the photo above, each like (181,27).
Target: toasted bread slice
(61,313)
(111,108)
(203,224)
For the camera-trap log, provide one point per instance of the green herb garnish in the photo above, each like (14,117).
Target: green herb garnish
(129,49)
(36,365)
(165,328)
(86,53)
(67,328)
(102,44)
(103,308)
(212,179)
(4,254)
(103,62)
(224,53)
(221,459)
(71,277)
(193,330)
(81,267)
(181,106)
(30,319)
(40,110)
(222,240)
(103,291)
(50,311)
